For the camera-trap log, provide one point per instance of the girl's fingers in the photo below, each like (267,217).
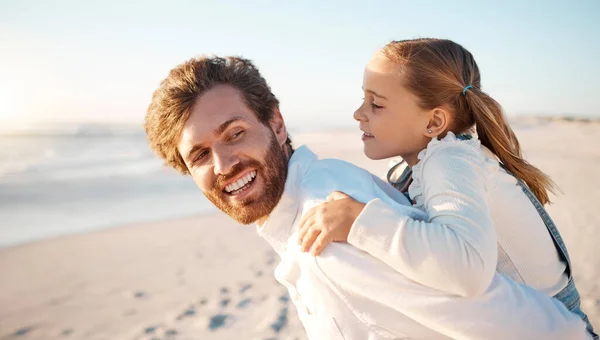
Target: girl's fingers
(310,238)
(305,224)
(320,244)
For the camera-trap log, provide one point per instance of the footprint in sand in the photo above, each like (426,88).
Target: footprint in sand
(66,332)
(159,331)
(245,288)
(224,302)
(282,320)
(244,303)
(284,298)
(23,331)
(190,311)
(151,329)
(218,321)
(171,332)
(271,257)
(58,301)
(140,294)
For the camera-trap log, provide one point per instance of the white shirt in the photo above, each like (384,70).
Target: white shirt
(345,293)
(480,222)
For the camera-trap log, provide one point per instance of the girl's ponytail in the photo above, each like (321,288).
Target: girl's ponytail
(495,134)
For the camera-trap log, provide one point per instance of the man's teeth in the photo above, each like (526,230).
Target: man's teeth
(240,183)
(368,134)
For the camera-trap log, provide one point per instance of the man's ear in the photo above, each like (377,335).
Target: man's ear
(278,126)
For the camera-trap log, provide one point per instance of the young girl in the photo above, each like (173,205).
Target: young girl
(423,102)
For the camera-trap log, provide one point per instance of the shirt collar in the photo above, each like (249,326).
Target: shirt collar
(278,226)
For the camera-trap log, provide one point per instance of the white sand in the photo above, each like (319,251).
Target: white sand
(169,280)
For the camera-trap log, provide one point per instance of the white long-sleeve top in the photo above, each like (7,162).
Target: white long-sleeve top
(479,221)
(345,293)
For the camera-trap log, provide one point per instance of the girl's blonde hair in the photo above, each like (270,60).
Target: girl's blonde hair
(437,71)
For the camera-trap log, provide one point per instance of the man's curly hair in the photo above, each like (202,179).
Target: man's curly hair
(173,100)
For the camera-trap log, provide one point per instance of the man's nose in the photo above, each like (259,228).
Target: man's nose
(224,162)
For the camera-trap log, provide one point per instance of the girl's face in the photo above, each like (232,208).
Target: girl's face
(390,117)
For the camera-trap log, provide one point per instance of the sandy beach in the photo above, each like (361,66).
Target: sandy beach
(206,277)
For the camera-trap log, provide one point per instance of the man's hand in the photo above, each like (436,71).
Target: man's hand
(328,222)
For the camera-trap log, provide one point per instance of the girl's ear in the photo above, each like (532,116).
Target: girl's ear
(438,123)
(278,126)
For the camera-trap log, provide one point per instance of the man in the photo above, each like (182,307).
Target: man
(217,120)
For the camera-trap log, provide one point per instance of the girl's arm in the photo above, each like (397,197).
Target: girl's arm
(455,250)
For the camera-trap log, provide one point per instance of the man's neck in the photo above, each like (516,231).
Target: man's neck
(288,151)
(261,221)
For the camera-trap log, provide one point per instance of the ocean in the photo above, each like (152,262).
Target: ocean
(61,180)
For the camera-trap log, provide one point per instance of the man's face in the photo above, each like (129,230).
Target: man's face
(237,162)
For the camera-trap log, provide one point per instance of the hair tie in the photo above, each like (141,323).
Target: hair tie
(466,88)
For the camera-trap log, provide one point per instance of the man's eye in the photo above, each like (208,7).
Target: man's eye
(201,156)
(375,106)
(237,135)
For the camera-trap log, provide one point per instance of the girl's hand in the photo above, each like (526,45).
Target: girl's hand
(328,222)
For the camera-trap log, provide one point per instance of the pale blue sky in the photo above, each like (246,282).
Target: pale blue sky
(99,61)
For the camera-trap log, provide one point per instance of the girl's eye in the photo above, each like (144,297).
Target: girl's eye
(375,106)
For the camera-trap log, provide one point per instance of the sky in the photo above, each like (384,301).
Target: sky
(100,61)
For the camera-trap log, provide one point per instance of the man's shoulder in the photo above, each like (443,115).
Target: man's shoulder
(336,171)
(323,166)
(321,177)
(336,165)
(327,175)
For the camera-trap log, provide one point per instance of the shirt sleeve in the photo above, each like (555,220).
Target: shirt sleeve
(455,248)
(506,310)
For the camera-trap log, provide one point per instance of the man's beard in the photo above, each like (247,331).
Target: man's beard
(273,171)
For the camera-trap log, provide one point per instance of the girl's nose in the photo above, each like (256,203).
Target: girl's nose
(358,115)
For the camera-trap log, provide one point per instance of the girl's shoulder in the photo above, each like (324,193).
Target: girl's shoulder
(449,147)
(453,155)
(455,148)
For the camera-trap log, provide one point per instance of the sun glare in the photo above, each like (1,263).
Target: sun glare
(11,108)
